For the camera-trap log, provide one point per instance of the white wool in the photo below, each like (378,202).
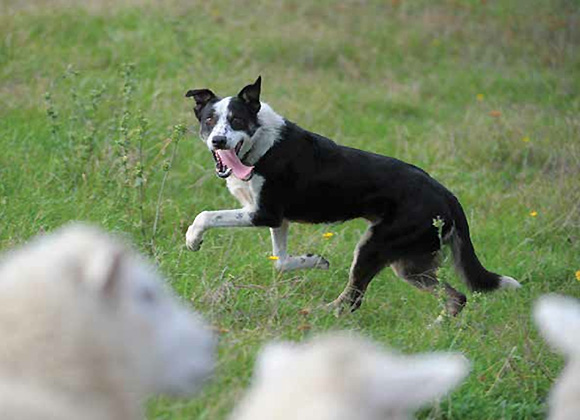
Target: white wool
(345,377)
(558,318)
(87,327)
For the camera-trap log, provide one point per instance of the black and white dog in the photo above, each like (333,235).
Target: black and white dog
(282,173)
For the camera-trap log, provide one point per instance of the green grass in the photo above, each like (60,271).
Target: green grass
(399,78)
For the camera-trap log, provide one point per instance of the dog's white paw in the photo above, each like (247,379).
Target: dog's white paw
(322,263)
(300,262)
(193,238)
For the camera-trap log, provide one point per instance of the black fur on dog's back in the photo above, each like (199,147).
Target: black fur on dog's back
(309,178)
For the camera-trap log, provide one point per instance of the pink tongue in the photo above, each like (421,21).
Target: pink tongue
(232,161)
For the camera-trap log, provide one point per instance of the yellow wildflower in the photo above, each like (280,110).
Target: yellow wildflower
(327,235)
(533,213)
(578,275)
(273,258)
(526,139)
(479,97)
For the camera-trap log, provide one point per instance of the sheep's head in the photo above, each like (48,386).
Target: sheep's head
(105,303)
(341,376)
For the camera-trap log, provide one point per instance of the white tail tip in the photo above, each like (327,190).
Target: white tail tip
(506,282)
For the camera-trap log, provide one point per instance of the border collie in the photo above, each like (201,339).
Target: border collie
(282,173)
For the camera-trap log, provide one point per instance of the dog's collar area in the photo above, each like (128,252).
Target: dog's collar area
(246,155)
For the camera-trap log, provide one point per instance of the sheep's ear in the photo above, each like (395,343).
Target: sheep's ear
(410,382)
(272,359)
(112,275)
(558,318)
(104,274)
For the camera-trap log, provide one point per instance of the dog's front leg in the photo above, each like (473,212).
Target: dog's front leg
(210,219)
(287,262)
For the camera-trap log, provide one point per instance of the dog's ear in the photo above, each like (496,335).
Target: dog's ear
(251,95)
(202,97)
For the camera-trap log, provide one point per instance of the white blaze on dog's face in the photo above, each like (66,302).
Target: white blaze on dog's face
(167,342)
(227,127)
(340,377)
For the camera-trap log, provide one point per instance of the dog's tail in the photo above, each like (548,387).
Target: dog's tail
(466,262)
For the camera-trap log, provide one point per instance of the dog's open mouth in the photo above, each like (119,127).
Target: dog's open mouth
(221,170)
(228,162)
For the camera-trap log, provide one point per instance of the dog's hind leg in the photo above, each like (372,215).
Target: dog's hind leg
(369,258)
(421,272)
(287,262)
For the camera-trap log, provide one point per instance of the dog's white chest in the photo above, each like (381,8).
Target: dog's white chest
(247,192)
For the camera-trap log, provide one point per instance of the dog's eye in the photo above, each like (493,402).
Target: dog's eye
(210,121)
(237,123)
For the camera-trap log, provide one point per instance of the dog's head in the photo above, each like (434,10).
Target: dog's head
(227,126)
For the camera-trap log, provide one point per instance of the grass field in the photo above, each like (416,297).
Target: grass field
(484,95)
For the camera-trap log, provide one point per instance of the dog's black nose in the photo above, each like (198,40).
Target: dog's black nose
(219,142)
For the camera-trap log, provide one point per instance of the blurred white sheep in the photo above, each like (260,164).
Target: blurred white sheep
(345,377)
(558,318)
(88,331)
